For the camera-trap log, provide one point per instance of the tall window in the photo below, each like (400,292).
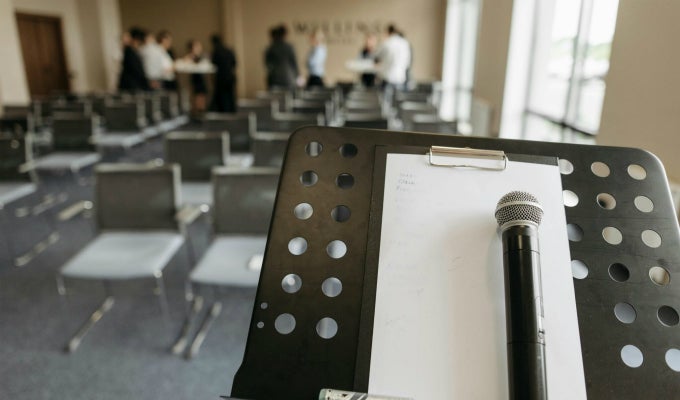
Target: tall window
(569,60)
(460,45)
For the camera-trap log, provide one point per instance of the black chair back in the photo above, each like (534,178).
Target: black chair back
(244,199)
(197,152)
(239,125)
(288,122)
(137,196)
(128,116)
(74,132)
(366,121)
(15,153)
(269,148)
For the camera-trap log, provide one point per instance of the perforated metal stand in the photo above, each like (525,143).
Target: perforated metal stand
(312,322)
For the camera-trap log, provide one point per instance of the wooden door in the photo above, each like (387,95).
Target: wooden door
(42,47)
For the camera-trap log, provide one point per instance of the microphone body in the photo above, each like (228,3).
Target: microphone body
(519,214)
(524,313)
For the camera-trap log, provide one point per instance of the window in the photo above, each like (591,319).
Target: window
(569,49)
(462,25)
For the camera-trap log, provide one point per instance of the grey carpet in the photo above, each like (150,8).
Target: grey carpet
(126,355)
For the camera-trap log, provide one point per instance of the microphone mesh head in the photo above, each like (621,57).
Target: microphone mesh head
(518,206)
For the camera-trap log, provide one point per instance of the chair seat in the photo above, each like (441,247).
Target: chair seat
(124,255)
(197,193)
(231,261)
(119,140)
(12,191)
(151,132)
(66,161)
(240,160)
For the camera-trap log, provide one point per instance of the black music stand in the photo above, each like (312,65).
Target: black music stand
(330,167)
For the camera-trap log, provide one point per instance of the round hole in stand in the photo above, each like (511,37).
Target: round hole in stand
(619,272)
(612,235)
(313,149)
(651,238)
(309,178)
(336,249)
(668,316)
(291,283)
(579,269)
(659,276)
(644,204)
(341,213)
(348,150)
(570,198)
(606,201)
(631,356)
(600,169)
(297,246)
(574,233)
(637,172)
(303,211)
(331,287)
(284,323)
(327,328)
(566,167)
(673,359)
(344,181)
(625,313)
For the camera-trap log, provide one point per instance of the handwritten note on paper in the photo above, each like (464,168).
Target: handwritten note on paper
(439,327)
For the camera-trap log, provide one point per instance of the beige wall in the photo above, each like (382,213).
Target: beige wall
(108,13)
(642,103)
(197,19)
(422,21)
(13,84)
(492,55)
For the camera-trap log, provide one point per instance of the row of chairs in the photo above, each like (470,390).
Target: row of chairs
(138,237)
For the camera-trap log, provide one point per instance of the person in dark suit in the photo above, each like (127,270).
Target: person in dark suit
(199,86)
(370,45)
(132,77)
(280,61)
(224,60)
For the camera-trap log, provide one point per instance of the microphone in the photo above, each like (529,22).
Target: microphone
(518,214)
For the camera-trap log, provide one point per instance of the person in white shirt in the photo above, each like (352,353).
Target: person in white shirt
(164,39)
(157,62)
(393,59)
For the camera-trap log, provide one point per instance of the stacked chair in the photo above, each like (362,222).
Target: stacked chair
(197,153)
(18,185)
(142,227)
(244,201)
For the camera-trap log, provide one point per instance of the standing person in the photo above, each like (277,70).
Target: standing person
(155,60)
(224,60)
(164,39)
(132,76)
(367,53)
(198,84)
(407,83)
(316,60)
(280,61)
(393,58)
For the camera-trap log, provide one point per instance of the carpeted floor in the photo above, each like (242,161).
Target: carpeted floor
(126,355)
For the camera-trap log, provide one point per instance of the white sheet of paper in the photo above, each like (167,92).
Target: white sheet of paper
(439,327)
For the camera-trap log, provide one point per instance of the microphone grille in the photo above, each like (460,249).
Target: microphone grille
(518,206)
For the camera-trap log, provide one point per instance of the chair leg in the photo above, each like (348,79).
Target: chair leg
(183,339)
(214,312)
(61,286)
(162,297)
(11,251)
(75,341)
